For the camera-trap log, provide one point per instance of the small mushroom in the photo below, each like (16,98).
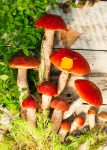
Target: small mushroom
(50,23)
(60,105)
(68,61)
(78,122)
(30,105)
(102,116)
(64,129)
(47,89)
(88,93)
(23,63)
(91,117)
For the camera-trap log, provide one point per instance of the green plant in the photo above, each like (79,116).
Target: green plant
(92,138)
(19,134)
(18,35)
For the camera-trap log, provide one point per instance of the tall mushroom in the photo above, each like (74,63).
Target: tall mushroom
(23,63)
(64,129)
(78,122)
(50,23)
(91,117)
(30,104)
(88,93)
(68,61)
(60,105)
(47,89)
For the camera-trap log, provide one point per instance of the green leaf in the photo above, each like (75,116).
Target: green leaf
(4,77)
(2,63)
(5,7)
(26,52)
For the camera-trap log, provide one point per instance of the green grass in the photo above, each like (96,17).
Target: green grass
(19,134)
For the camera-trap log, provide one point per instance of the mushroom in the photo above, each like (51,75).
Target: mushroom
(47,89)
(78,122)
(60,105)
(30,105)
(68,61)
(91,117)
(102,116)
(88,92)
(64,129)
(50,23)
(22,63)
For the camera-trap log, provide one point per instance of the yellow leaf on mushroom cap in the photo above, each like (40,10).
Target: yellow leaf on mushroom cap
(66,63)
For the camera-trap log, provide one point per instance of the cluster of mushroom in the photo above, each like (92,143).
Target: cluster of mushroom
(66,60)
(88,93)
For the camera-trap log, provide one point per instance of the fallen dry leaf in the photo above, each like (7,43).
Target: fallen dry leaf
(68,38)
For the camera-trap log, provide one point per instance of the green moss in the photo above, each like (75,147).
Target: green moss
(22,135)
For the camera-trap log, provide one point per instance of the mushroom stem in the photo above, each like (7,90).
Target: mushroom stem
(62,81)
(46,51)
(31,116)
(56,119)
(91,120)
(62,133)
(76,104)
(74,127)
(22,83)
(46,101)
(91,116)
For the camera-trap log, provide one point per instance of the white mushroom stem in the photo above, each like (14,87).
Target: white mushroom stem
(75,105)
(62,133)
(22,83)
(56,119)
(62,81)
(74,127)
(91,120)
(31,116)
(46,50)
(46,101)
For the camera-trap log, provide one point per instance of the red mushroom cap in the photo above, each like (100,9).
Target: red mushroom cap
(51,22)
(66,125)
(22,61)
(79,120)
(29,102)
(80,65)
(60,104)
(89,92)
(92,110)
(47,88)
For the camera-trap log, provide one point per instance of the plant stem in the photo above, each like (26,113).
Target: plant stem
(22,83)
(31,116)
(62,82)
(46,101)
(62,133)
(46,50)
(56,119)
(75,105)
